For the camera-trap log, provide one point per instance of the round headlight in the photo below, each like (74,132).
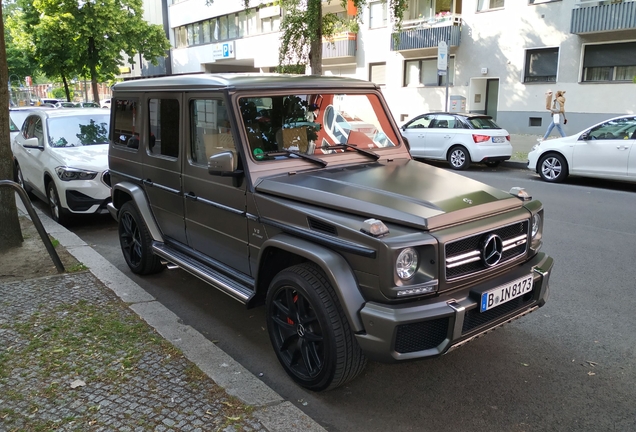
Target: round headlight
(406,263)
(536,224)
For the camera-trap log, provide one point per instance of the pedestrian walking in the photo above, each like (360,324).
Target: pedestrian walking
(557,111)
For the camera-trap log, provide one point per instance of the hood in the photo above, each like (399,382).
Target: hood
(93,157)
(403,191)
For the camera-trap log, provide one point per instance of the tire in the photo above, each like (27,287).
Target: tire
(136,242)
(493,164)
(308,330)
(459,158)
(553,168)
(19,179)
(58,214)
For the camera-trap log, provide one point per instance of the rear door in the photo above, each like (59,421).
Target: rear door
(160,142)
(215,206)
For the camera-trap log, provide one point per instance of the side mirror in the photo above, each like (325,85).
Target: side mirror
(32,143)
(223,164)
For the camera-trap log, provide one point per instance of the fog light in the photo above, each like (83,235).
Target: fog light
(416,291)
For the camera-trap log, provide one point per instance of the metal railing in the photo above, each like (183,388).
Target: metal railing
(37,222)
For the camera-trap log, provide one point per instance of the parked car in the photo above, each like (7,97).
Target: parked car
(105,103)
(63,104)
(87,105)
(61,156)
(50,101)
(458,138)
(605,150)
(357,253)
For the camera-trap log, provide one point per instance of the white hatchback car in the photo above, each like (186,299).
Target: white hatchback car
(605,150)
(61,156)
(458,138)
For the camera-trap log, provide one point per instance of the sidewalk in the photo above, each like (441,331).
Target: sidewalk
(91,350)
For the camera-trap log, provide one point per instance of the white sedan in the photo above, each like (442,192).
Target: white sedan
(458,138)
(605,150)
(61,156)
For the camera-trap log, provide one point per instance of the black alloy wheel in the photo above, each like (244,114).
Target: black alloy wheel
(459,158)
(136,242)
(308,330)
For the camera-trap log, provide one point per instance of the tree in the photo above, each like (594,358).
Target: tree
(10,233)
(87,38)
(304,26)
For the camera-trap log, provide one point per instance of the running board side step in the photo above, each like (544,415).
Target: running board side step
(207,274)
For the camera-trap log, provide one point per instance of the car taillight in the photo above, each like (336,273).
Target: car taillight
(480,138)
(508,137)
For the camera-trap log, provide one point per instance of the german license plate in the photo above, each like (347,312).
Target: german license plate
(504,293)
(498,139)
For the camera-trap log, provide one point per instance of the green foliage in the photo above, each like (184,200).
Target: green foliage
(59,93)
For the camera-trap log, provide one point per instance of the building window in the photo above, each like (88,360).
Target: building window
(377,14)
(424,73)
(426,9)
(180,37)
(486,5)
(610,62)
(541,1)
(377,73)
(541,65)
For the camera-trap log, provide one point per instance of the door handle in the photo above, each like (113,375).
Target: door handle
(147,182)
(191,196)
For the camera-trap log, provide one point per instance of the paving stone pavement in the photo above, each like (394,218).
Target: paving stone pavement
(150,390)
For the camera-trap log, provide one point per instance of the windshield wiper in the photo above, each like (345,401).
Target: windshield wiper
(301,155)
(369,153)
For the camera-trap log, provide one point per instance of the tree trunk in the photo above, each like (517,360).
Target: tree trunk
(93,69)
(314,8)
(66,90)
(10,233)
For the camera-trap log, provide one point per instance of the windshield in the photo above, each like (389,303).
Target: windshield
(78,130)
(315,124)
(483,123)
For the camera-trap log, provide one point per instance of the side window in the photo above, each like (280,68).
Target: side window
(164,115)
(420,123)
(125,127)
(443,122)
(27,127)
(210,131)
(38,131)
(624,128)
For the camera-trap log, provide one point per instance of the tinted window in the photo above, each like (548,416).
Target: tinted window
(483,123)
(420,123)
(443,122)
(624,128)
(78,130)
(125,129)
(163,115)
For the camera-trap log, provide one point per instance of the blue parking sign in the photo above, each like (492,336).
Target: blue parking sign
(226,50)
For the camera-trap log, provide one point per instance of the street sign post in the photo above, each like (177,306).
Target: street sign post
(442,66)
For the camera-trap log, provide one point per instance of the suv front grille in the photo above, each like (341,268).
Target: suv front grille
(464,256)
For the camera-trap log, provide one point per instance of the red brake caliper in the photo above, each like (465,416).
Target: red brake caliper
(289,320)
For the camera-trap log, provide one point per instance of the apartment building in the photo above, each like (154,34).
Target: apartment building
(503,54)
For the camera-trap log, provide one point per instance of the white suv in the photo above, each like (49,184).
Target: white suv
(61,156)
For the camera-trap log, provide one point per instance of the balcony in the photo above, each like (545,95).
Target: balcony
(603,16)
(343,46)
(428,34)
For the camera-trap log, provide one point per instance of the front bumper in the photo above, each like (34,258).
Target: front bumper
(533,157)
(432,327)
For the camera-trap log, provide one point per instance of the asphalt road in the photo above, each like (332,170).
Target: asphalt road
(570,366)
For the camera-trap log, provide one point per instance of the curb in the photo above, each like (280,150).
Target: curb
(275,413)
(515,164)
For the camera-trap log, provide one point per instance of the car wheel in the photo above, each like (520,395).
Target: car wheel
(553,168)
(136,242)
(459,158)
(493,164)
(19,179)
(59,214)
(308,330)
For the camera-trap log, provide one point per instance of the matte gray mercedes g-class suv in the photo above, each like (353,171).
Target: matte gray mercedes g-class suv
(298,192)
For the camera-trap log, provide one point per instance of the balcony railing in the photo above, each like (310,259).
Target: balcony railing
(428,34)
(342,45)
(603,16)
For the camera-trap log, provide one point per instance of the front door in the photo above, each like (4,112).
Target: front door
(215,206)
(440,135)
(160,143)
(492,97)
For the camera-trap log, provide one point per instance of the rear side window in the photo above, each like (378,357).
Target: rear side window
(483,123)
(164,115)
(125,127)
